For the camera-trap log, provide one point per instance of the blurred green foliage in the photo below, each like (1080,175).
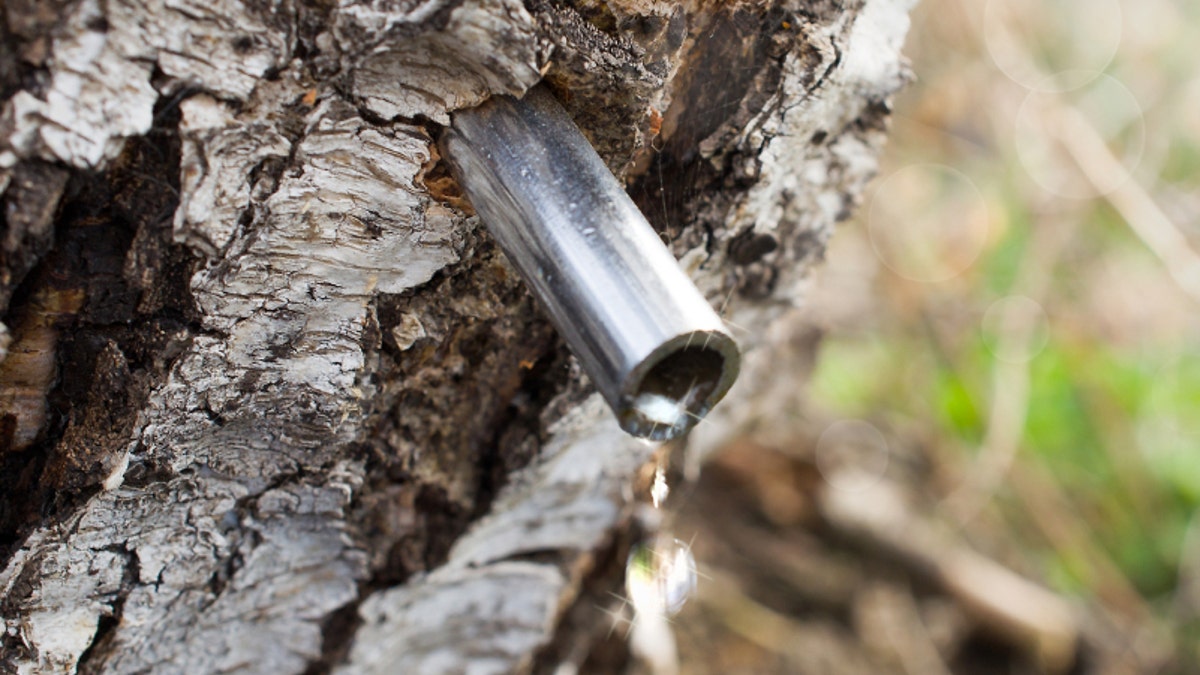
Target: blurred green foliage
(1099,490)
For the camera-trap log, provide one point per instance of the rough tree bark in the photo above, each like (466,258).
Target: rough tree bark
(272,401)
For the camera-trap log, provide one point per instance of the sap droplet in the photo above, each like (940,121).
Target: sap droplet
(660,489)
(660,576)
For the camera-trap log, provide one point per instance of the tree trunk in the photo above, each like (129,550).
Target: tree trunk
(272,400)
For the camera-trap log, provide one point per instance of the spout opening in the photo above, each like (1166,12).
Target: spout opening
(673,389)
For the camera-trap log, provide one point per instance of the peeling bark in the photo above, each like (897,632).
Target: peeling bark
(307,418)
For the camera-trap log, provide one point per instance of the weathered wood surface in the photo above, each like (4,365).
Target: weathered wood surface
(305,418)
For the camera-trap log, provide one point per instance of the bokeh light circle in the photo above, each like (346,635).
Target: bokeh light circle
(852,455)
(1015,329)
(928,222)
(1028,38)
(1063,137)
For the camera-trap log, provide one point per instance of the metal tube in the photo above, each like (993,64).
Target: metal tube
(644,334)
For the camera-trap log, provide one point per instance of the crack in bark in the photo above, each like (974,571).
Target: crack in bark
(141,321)
(589,635)
(339,627)
(109,622)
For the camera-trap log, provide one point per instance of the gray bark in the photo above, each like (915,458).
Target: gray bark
(280,405)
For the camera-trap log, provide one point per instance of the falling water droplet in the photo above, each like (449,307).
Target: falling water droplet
(660,576)
(660,489)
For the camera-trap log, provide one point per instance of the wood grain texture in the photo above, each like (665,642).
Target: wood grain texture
(449,55)
(364,430)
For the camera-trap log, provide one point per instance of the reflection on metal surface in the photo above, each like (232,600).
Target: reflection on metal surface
(644,334)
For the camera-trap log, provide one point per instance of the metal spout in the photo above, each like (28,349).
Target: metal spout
(644,334)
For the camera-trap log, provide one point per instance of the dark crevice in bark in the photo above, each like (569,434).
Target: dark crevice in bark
(688,186)
(513,444)
(458,411)
(337,634)
(314,17)
(26,28)
(611,104)
(18,470)
(590,633)
(119,287)
(371,117)
(106,628)
(503,365)
(27,213)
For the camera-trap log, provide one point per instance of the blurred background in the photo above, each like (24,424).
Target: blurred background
(994,466)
